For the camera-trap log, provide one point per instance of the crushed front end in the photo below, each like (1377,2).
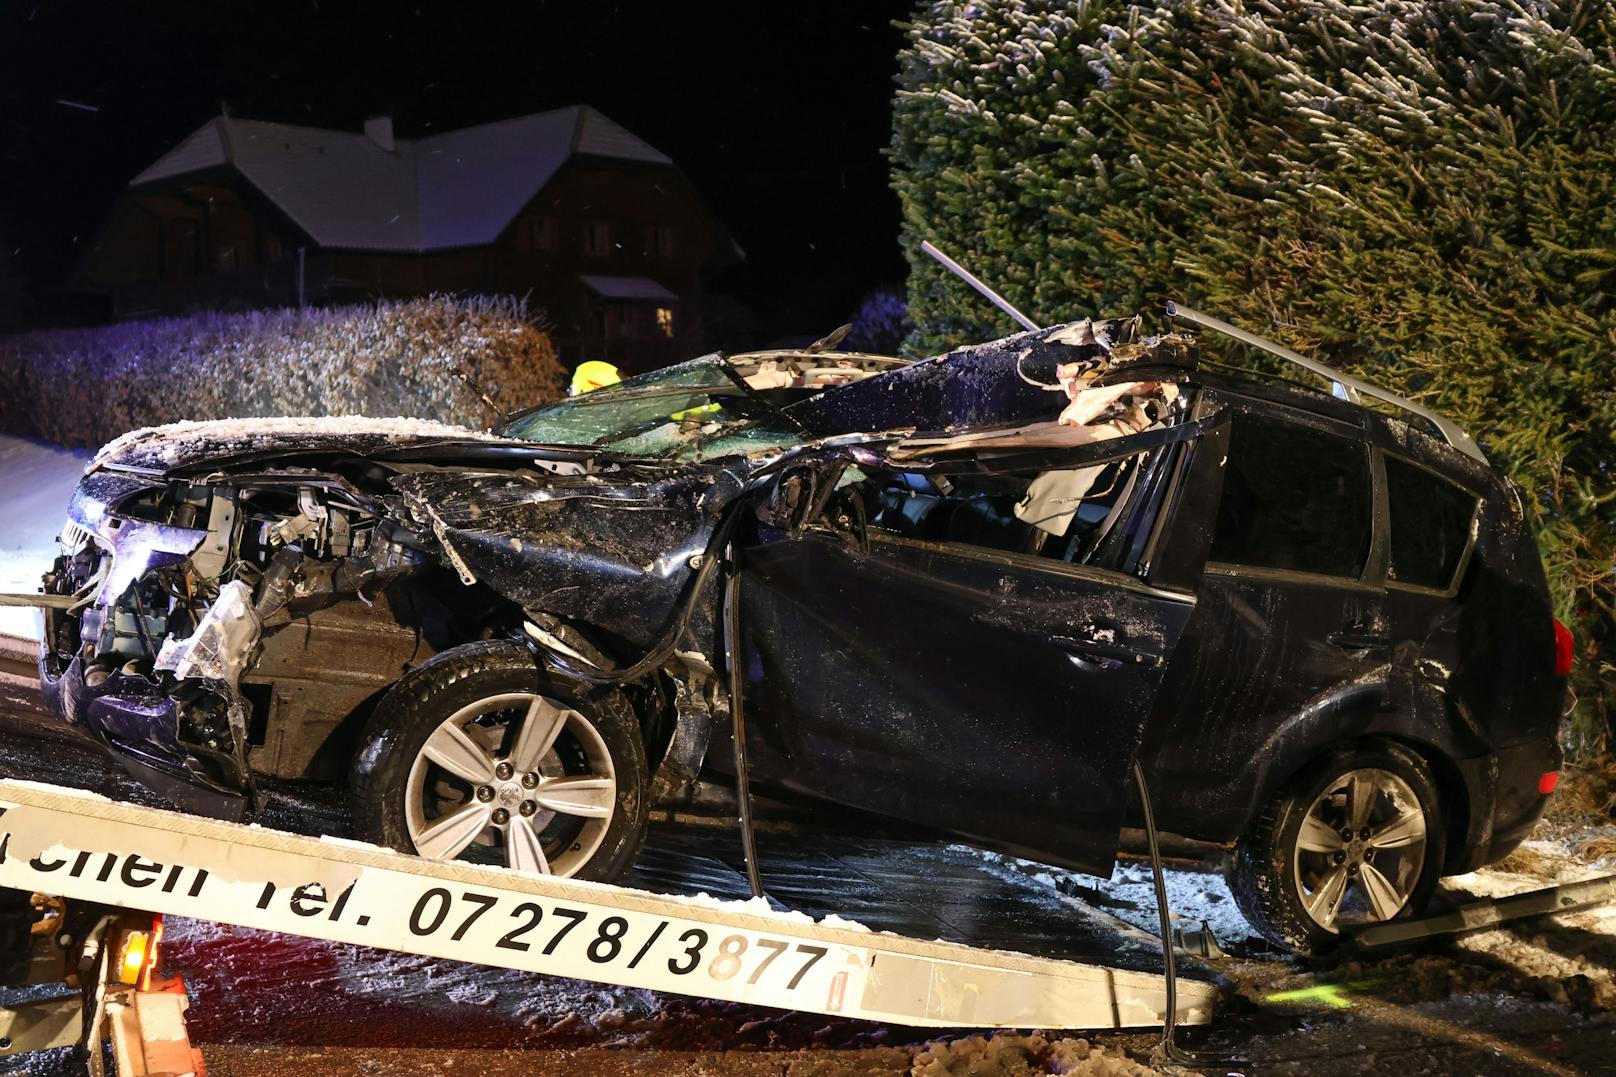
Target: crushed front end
(171,585)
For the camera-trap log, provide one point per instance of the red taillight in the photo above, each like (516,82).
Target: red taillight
(1548,781)
(1565,646)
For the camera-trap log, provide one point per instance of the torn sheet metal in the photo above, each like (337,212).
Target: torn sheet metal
(1000,383)
(612,551)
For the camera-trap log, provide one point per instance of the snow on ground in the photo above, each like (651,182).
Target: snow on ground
(36,480)
(1193,897)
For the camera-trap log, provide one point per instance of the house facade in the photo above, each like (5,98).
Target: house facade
(598,229)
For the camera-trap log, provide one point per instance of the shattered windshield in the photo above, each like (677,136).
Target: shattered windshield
(694,410)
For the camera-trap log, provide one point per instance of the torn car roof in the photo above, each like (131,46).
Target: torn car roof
(983,385)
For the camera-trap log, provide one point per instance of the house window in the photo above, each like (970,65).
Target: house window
(664,321)
(659,239)
(542,235)
(597,237)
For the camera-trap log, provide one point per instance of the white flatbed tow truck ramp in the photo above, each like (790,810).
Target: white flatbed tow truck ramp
(84,848)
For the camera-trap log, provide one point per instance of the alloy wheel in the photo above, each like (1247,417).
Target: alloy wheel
(1360,849)
(516,778)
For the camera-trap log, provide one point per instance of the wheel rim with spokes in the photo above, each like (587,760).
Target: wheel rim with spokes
(1360,850)
(516,778)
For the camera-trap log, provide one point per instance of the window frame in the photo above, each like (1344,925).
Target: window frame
(1371,577)
(1023,561)
(1089,572)
(590,233)
(1473,530)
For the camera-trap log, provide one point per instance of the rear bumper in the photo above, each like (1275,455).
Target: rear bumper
(1506,801)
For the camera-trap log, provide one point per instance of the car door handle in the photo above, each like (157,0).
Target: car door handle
(1106,649)
(1352,640)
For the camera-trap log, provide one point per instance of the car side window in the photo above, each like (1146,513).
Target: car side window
(1058,513)
(1294,498)
(1431,525)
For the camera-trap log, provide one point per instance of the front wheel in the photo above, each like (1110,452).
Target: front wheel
(476,755)
(1355,840)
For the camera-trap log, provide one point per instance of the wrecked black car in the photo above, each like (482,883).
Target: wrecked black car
(965,593)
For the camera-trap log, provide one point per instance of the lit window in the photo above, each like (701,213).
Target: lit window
(664,320)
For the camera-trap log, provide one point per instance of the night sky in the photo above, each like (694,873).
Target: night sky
(777,112)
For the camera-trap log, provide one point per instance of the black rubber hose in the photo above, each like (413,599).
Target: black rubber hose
(1169,1050)
(140,622)
(737,684)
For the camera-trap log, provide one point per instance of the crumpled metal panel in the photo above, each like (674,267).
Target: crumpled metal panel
(137,546)
(1012,380)
(610,550)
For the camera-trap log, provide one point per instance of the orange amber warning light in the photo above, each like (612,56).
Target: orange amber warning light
(140,955)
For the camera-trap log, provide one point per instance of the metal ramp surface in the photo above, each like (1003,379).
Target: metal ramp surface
(916,889)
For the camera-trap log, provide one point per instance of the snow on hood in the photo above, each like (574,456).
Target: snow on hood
(187,441)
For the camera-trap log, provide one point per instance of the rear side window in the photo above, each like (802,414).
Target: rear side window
(1431,521)
(1294,498)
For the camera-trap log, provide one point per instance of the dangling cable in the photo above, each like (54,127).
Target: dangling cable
(737,683)
(1168,1050)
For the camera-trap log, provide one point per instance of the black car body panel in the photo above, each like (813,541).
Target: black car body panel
(916,640)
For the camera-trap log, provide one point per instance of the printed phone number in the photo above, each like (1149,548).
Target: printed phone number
(531,925)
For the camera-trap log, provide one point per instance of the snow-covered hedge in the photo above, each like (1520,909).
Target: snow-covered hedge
(83,387)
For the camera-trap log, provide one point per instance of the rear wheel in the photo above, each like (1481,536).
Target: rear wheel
(477,756)
(1356,840)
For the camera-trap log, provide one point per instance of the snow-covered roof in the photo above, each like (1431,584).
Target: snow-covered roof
(627,288)
(456,189)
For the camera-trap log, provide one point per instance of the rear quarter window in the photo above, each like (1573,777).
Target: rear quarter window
(1294,498)
(1431,522)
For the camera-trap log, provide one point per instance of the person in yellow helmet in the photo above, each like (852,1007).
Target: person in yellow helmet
(593,374)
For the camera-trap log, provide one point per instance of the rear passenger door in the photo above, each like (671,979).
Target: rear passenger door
(1291,623)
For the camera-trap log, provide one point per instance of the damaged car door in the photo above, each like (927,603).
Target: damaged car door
(959,650)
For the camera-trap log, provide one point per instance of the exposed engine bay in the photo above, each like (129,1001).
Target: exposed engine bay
(212,593)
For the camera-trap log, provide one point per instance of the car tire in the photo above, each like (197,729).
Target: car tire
(1285,870)
(413,772)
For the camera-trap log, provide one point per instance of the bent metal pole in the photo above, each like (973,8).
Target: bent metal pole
(970,278)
